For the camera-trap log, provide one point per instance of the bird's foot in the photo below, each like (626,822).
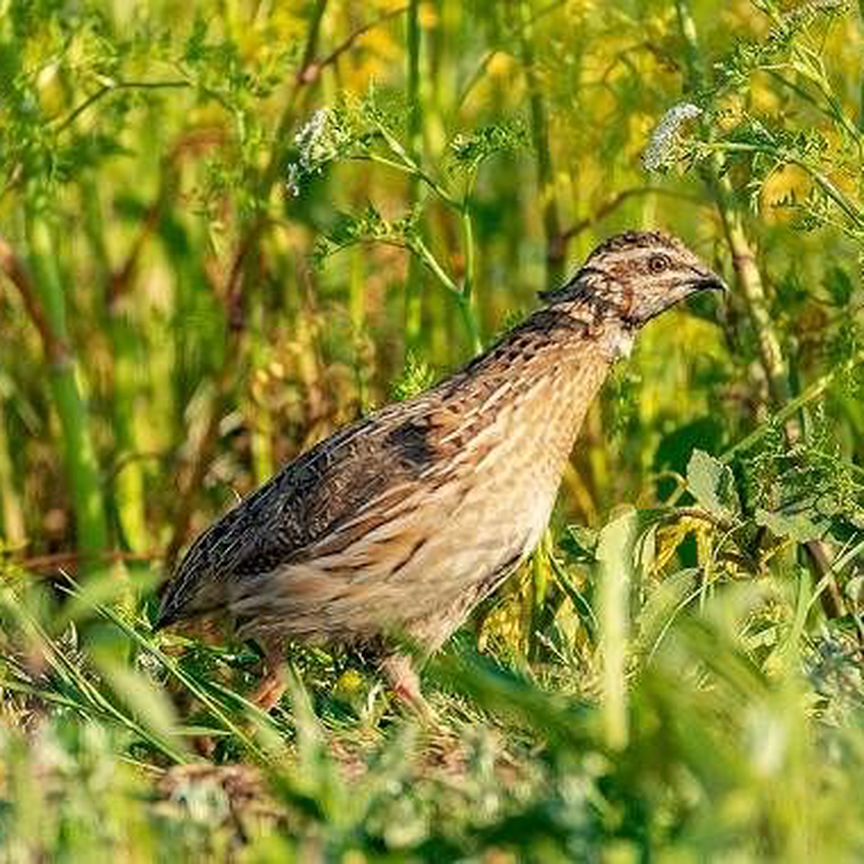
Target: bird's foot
(405,684)
(271,689)
(414,701)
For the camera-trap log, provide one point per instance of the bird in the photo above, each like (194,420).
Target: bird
(391,531)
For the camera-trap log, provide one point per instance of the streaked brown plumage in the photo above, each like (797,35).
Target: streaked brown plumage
(399,525)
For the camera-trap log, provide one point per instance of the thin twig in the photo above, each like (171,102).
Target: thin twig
(73,115)
(348,43)
(610,205)
(56,349)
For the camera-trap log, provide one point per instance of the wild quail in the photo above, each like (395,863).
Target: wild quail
(396,527)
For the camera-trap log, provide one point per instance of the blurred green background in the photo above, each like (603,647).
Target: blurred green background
(227,229)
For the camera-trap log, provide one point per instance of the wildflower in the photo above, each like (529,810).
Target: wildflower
(660,152)
(311,139)
(321,139)
(816,7)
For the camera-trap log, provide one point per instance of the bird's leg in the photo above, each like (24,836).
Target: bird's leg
(403,678)
(273,684)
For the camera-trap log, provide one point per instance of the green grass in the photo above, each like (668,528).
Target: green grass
(738,737)
(201,276)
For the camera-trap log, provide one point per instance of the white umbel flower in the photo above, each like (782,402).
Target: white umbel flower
(319,141)
(310,138)
(660,152)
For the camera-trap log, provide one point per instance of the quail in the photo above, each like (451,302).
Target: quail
(393,529)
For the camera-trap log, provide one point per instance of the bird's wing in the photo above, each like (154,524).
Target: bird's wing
(332,491)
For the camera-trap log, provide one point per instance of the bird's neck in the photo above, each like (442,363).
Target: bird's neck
(541,378)
(562,375)
(559,344)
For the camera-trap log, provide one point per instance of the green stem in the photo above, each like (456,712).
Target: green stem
(425,255)
(82,469)
(468,234)
(468,238)
(129,482)
(469,318)
(753,291)
(407,165)
(467,293)
(414,282)
(466,307)
(743,257)
(11,512)
(542,151)
(615,557)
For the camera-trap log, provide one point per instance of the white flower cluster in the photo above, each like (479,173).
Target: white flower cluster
(660,151)
(318,141)
(817,6)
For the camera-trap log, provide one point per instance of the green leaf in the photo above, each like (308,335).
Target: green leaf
(796,526)
(471,148)
(416,377)
(580,544)
(840,286)
(148,703)
(615,573)
(712,484)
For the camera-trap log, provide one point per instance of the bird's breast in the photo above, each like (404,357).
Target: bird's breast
(514,463)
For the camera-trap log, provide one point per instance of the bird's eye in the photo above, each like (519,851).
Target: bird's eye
(658,263)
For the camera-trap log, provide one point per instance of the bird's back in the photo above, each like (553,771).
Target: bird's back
(296,507)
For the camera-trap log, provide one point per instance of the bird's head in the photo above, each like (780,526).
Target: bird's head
(636,276)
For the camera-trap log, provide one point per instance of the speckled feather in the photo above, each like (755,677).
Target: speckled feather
(404,521)
(318,507)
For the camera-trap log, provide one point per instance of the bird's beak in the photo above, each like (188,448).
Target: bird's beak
(707,280)
(702,279)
